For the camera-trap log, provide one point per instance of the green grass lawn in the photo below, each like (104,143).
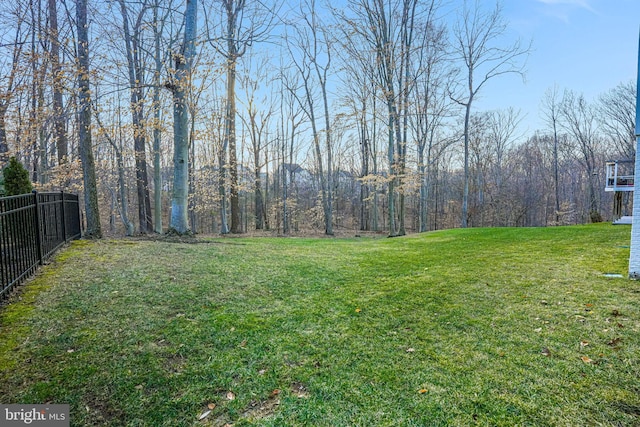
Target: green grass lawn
(463,327)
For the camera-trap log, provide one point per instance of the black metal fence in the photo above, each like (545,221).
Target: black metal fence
(32,227)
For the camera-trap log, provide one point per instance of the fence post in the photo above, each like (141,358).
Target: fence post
(36,218)
(64,220)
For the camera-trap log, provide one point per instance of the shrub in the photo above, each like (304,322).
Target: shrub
(16,179)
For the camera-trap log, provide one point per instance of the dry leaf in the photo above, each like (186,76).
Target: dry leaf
(586,359)
(243,343)
(230,395)
(358,310)
(546,352)
(538,330)
(204,415)
(275,392)
(262,371)
(411,350)
(422,391)
(584,343)
(211,406)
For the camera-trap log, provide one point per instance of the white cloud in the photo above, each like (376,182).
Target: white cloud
(579,3)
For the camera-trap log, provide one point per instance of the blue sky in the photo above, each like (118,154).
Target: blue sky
(588,46)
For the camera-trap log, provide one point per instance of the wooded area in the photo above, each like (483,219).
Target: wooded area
(229,116)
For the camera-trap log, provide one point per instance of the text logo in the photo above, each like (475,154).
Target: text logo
(34,415)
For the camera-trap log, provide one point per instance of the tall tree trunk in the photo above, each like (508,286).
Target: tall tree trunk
(222,187)
(465,191)
(157,132)
(393,170)
(192,177)
(328,205)
(184,61)
(364,154)
(556,180)
(84,125)
(230,135)
(59,123)
(230,120)
(424,188)
(137,112)
(6,96)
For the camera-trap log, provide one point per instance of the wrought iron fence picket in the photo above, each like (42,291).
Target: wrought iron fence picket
(32,228)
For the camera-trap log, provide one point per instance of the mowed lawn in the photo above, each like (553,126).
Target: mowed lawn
(453,328)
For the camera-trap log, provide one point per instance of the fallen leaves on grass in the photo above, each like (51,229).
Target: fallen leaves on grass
(588,360)
(546,352)
(411,350)
(583,344)
(422,391)
(230,395)
(204,415)
(358,310)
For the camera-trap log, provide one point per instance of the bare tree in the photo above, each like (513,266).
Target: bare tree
(311,56)
(431,105)
(388,29)
(477,35)
(122,192)
(245,24)
(616,115)
(133,49)
(291,119)
(158,29)
(84,124)
(360,78)
(257,123)
(579,120)
(10,75)
(180,87)
(59,124)
(551,112)
(502,135)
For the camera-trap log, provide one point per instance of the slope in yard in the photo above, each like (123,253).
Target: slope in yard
(480,326)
